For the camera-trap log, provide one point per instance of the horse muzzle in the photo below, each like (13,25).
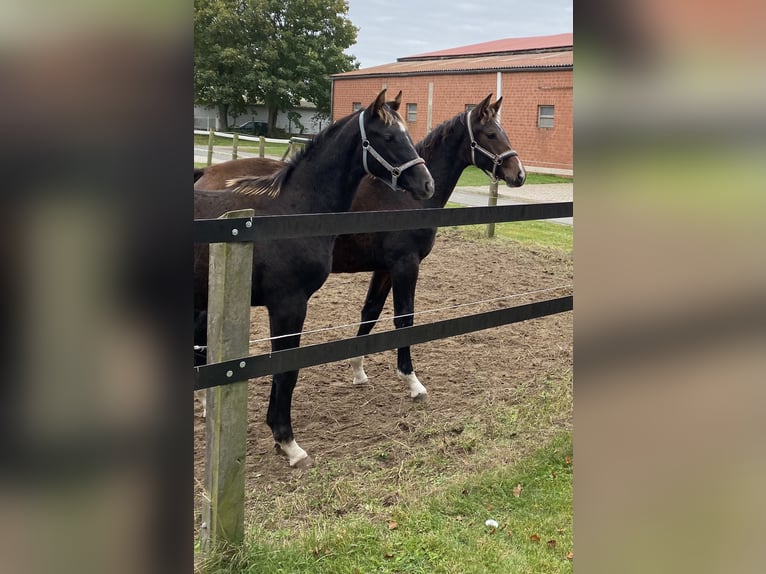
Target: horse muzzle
(514,177)
(418,182)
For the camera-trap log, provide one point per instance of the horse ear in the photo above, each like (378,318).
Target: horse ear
(394,105)
(496,105)
(483,107)
(379,102)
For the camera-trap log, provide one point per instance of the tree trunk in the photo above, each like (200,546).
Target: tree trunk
(223,116)
(273,111)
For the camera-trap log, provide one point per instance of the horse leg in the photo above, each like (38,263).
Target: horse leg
(377,293)
(286,317)
(405,277)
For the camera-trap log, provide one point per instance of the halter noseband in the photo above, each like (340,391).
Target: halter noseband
(394,171)
(496,159)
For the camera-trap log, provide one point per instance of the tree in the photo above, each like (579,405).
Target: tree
(304,45)
(274,52)
(223,66)
(295,120)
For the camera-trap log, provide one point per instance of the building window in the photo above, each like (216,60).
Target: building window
(356,106)
(412,112)
(544,116)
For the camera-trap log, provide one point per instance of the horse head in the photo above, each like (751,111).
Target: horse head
(387,149)
(491,150)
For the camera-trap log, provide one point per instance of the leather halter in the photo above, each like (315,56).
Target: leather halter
(496,159)
(394,171)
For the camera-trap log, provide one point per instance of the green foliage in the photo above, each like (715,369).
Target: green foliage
(304,45)
(270,51)
(473,176)
(223,65)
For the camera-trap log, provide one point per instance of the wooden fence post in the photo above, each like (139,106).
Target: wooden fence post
(228,337)
(492,202)
(210,142)
(261,147)
(234,145)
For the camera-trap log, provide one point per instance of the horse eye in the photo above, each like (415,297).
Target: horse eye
(388,137)
(491,135)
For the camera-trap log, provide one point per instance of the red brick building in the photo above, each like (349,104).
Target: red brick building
(534,76)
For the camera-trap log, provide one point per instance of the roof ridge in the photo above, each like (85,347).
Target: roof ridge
(549,59)
(502,45)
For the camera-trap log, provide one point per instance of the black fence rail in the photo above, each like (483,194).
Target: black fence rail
(312,225)
(292,359)
(318,224)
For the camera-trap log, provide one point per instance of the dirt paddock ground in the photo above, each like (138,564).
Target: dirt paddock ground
(337,422)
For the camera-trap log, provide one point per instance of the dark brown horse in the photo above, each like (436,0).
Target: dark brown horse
(322,178)
(469,138)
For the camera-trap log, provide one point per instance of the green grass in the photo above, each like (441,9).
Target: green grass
(421,506)
(442,532)
(539,233)
(473,176)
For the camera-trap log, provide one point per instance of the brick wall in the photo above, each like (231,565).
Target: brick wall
(523,92)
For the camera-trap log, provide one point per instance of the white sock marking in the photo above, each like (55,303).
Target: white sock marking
(416,388)
(360,376)
(293,451)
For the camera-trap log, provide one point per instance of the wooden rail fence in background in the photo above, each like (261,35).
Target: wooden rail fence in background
(293,144)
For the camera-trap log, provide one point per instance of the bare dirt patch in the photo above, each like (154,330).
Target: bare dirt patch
(342,424)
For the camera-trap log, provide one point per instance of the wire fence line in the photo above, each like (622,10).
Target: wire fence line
(387,316)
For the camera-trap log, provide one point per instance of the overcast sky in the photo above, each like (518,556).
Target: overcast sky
(391,29)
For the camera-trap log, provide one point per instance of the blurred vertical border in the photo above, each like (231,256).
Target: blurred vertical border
(670,305)
(95,401)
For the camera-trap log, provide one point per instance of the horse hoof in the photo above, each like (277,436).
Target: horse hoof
(305,462)
(420,398)
(361,380)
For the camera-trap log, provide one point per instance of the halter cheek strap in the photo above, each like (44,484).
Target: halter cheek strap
(394,171)
(496,159)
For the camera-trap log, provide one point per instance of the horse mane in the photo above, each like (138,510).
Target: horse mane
(440,132)
(443,131)
(271,185)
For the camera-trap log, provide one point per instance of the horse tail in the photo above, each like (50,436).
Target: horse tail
(268,185)
(198,173)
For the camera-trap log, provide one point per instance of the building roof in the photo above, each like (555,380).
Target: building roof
(504,46)
(517,62)
(510,54)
